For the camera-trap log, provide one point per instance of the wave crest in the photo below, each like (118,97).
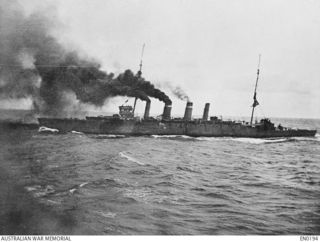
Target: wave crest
(48,130)
(129,158)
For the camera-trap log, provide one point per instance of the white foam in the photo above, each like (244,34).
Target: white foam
(39,191)
(130,158)
(83,184)
(185,137)
(76,132)
(211,138)
(72,190)
(172,136)
(108,215)
(259,141)
(316,138)
(52,202)
(46,129)
(111,135)
(156,136)
(33,188)
(244,140)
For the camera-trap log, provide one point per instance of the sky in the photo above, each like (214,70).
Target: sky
(209,48)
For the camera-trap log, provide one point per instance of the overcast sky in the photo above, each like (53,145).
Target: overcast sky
(208,47)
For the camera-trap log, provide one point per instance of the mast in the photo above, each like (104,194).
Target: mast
(139,73)
(255,102)
(140,65)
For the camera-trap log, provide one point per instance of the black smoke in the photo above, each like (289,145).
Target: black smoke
(33,64)
(177,91)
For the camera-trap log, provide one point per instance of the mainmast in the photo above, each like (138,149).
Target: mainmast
(255,102)
(139,73)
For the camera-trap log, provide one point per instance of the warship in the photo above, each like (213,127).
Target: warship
(126,123)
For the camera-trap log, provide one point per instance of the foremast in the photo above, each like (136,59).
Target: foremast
(255,102)
(139,73)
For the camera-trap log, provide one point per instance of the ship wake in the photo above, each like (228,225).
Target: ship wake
(242,140)
(107,136)
(261,141)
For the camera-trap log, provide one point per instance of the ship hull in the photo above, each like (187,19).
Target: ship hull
(153,127)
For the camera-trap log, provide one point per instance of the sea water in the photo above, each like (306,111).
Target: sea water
(75,183)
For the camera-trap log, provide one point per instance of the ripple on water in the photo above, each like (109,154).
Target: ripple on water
(168,185)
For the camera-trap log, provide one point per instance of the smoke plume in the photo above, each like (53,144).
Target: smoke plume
(177,91)
(33,64)
(180,93)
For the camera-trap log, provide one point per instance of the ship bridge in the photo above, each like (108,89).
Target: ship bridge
(126,112)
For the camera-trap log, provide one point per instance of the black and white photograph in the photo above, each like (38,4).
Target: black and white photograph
(159,117)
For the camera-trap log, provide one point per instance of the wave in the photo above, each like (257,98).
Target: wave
(216,195)
(109,136)
(106,215)
(141,172)
(276,140)
(182,168)
(199,189)
(76,188)
(48,130)
(73,190)
(261,141)
(184,138)
(211,138)
(38,191)
(109,182)
(316,138)
(165,183)
(83,184)
(129,158)
(243,140)
(52,202)
(172,136)
(76,132)
(248,140)
(139,195)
